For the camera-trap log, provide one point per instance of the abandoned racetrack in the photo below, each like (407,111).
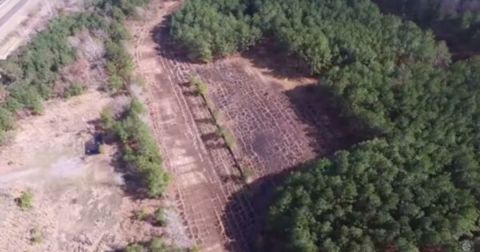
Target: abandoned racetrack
(271,117)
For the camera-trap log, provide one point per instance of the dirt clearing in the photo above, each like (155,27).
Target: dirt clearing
(277,120)
(76,199)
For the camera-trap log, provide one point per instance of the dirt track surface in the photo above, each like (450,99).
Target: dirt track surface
(277,124)
(195,184)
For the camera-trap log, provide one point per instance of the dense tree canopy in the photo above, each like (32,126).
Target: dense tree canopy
(414,187)
(458,19)
(214,28)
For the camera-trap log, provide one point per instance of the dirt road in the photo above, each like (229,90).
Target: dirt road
(198,189)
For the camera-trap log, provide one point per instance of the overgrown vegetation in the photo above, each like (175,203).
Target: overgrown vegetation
(75,89)
(416,185)
(160,218)
(223,132)
(155,245)
(139,148)
(228,137)
(28,76)
(28,79)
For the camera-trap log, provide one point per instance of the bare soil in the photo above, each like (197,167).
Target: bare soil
(280,121)
(76,199)
(80,202)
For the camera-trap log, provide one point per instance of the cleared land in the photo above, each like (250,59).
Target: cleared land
(76,199)
(276,125)
(80,202)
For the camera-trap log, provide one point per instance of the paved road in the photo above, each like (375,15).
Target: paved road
(19,19)
(10,13)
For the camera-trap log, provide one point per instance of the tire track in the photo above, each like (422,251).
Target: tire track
(199,192)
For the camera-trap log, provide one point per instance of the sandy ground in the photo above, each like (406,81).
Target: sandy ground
(77,199)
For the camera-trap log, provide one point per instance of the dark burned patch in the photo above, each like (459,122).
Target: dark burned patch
(261,143)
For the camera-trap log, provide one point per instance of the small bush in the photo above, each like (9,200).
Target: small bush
(228,137)
(139,148)
(218,116)
(107,118)
(6,119)
(75,89)
(3,137)
(25,201)
(247,174)
(115,83)
(36,235)
(157,245)
(135,248)
(201,87)
(194,249)
(160,218)
(141,214)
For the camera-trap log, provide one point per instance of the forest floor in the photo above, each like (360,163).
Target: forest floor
(280,120)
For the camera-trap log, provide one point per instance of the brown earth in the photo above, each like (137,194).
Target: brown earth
(280,121)
(76,199)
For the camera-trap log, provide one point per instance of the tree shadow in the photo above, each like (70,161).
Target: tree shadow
(277,61)
(167,47)
(206,121)
(316,107)
(461,43)
(246,211)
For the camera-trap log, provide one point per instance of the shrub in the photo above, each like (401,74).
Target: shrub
(107,118)
(160,218)
(141,214)
(25,200)
(6,119)
(115,83)
(194,249)
(247,174)
(135,248)
(201,86)
(139,148)
(228,137)
(36,235)
(75,89)
(157,245)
